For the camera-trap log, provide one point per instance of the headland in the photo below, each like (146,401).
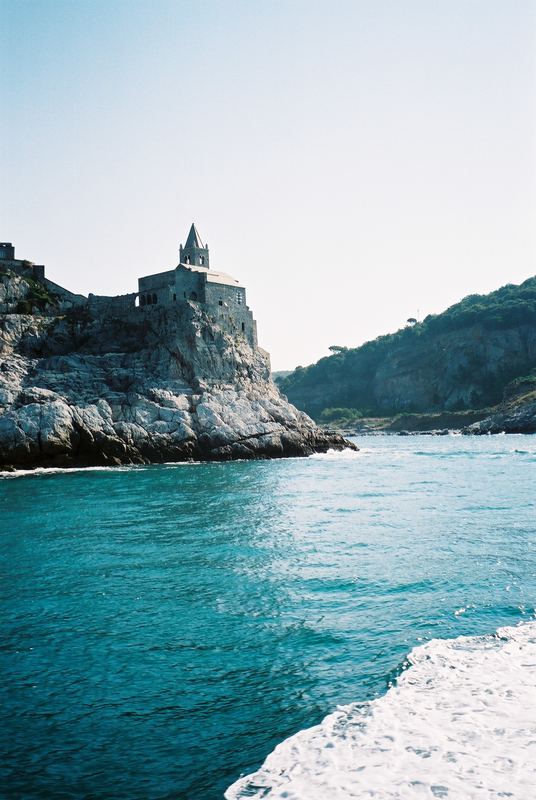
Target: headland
(172,372)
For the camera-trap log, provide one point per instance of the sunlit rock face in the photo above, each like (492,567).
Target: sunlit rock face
(143,385)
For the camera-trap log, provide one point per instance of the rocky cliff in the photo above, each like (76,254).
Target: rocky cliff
(517,412)
(145,385)
(460,359)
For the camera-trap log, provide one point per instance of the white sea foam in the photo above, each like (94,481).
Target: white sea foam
(28,473)
(459,724)
(341,455)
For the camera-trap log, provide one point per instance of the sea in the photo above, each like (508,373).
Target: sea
(349,625)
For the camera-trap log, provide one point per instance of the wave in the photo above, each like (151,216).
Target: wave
(341,455)
(37,471)
(460,723)
(40,471)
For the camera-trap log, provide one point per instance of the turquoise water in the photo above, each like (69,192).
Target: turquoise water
(165,627)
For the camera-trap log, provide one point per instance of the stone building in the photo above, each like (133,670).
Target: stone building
(223,297)
(24,268)
(192,281)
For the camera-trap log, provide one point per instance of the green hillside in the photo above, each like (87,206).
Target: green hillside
(460,359)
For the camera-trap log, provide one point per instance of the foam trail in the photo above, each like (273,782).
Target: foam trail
(460,724)
(340,455)
(28,473)
(37,471)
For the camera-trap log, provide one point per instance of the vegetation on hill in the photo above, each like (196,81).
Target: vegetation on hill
(521,390)
(37,299)
(34,297)
(461,358)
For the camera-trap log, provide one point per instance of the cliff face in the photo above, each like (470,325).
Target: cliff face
(147,385)
(517,412)
(461,359)
(456,370)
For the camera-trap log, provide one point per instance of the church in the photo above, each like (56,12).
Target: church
(223,297)
(219,295)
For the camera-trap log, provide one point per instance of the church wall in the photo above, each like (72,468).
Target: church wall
(233,316)
(189,285)
(157,288)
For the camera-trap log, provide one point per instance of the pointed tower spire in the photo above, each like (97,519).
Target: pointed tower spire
(194,239)
(194,251)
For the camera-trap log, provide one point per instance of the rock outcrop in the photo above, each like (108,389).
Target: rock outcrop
(516,414)
(148,385)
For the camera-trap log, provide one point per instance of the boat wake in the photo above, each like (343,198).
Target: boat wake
(460,723)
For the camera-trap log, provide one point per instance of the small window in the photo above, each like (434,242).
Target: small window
(220,302)
(154,298)
(193,296)
(174,297)
(142,299)
(243,327)
(239,298)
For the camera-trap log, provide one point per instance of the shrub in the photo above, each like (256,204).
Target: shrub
(340,414)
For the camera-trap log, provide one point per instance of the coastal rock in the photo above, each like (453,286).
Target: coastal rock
(509,419)
(517,412)
(146,385)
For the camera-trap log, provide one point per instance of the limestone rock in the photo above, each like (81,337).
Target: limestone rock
(145,385)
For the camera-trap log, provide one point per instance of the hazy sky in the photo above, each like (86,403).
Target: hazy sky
(352,163)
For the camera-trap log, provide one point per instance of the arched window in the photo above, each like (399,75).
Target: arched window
(142,299)
(154,298)
(187,260)
(193,296)
(202,260)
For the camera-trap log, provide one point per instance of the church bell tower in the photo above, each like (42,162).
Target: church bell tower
(194,251)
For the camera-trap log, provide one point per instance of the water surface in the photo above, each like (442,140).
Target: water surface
(164,628)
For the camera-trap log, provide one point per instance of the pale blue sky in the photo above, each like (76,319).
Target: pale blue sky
(353,163)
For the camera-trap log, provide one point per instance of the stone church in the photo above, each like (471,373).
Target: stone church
(223,297)
(192,281)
